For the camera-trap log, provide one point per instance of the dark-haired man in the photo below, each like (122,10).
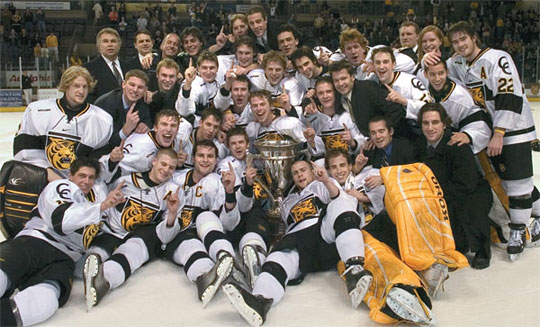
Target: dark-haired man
(40,260)
(494,83)
(466,192)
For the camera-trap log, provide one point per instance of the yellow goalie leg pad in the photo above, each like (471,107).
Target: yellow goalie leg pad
(414,201)
(388,270)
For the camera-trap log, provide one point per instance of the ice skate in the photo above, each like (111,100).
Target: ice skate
(252,264)
(534,231)
(357,280)
(208,284)
(95,284)
(409,307)
(253,308)
(517,240)
(434,278)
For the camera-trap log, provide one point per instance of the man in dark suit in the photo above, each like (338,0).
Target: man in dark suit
(388,150)
(127,107)
(144,44)
(264,32)
(466,192)
(107,69)
(167,88)
(364,99)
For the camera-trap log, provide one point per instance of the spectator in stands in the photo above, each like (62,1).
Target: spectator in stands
(52,44)
(40,18)
(107,68)
(26,87)
(122,11)
(142,22)
(16,22)
(98,12)
(113,16)
(28,20)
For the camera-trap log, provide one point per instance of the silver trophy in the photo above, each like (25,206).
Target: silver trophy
(276,158)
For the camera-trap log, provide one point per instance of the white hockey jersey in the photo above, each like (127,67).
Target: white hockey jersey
(375,195)
(288,84)
(466,116)
(330,129)
(208,194)
(67,218)
(225,103)
(245,202)
(186,140)
(146,203)
(413,90)
(201,96)
(300,210)
(46,138)
(493,81)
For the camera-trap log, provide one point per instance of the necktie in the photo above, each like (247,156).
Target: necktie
(430,150)
(384,161)
(117,74)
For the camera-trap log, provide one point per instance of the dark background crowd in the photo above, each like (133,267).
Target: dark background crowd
(509,25)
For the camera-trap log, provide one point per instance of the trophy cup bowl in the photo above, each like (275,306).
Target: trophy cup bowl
(277,157)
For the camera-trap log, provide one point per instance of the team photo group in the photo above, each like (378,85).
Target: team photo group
(258,157)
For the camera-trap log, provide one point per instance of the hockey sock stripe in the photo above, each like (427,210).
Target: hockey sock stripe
(194,257)
(520,203)
(276,270)
(535,194)
(213,236)
(345,221)
(124,263)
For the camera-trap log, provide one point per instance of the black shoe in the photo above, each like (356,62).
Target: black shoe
(95,284)
(253,308)
(208,284)
(480,261)
(535,145)
(517,240)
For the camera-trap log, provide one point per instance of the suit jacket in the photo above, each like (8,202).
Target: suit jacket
(135,63)
(454,167)
(272,29)
(368,100)
(162,101)
(113,104)
(104,76)
(403,152)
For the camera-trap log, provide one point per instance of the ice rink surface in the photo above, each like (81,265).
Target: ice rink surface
(159,294)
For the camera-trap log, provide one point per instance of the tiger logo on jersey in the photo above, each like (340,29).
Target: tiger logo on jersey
(335,141)
(304,209)
(89,233)
(477,93)
(271,136)
(136,214)
(186,218)
(258,191)
(60,152)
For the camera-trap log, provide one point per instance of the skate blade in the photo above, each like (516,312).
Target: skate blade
(358,294)
(249,255)
(401,303)
(90,271)
(245,311)
(515,257)
(223,271)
